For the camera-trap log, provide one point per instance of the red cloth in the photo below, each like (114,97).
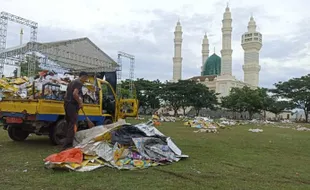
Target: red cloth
(73,155)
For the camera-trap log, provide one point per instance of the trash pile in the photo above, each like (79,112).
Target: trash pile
(255,130)
(283,127)
(204,124)
(139,118)
(167,119)
(155,120)
(292,126)
(118,145)
(226,122)
(47,85)
(286,121)
(255,121)
(210,129)
(299,128)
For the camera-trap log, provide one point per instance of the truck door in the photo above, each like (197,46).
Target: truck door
(108,99)
(128,107)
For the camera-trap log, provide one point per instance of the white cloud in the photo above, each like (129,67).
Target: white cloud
(112,22)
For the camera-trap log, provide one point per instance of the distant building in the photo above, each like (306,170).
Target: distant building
(216,71)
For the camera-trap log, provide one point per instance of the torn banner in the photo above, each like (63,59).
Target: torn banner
(118,145)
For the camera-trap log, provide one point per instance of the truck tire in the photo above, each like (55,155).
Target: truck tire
(58,132)
(17,133)
(107,121)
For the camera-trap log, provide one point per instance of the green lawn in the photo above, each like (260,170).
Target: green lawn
(232,159)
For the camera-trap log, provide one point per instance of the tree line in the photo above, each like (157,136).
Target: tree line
(285,95)
(186,93)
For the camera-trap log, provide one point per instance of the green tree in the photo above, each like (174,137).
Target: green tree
(147,92)
(171,94)
(244,100)
(186,90)
(232,102)
(124,85)
(266,100)
(278,107)
(28,60)
(201,97)
(185,93)
(296,91)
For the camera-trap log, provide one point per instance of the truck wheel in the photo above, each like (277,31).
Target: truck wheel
(17,133)
(107,121)
(58,132)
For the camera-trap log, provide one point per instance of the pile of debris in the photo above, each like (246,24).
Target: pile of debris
(227,122)
(47,85)
(290,125)
(282,127)
(286,121)
(260,122)
(139,118)
(204,124)
(255,130)
(118,145)
(167,119)
(300,128)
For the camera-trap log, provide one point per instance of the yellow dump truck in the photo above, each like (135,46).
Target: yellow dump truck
(43,116)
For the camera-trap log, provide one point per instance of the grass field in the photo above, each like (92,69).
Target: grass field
(232,159)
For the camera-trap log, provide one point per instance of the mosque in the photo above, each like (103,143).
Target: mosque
(216,71)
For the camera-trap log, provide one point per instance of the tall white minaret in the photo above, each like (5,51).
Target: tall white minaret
(21,37)
(251,44)
(226,52)
(177,59)
(204,51)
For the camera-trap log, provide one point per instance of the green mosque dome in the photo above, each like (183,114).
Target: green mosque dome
(212,66)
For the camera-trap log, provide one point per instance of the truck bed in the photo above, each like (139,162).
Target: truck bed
(41,106)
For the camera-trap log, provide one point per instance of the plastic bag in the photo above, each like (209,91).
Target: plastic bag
(73,155)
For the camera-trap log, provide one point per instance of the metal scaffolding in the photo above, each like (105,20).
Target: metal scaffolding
(4,18)
(131,71)
(64,58)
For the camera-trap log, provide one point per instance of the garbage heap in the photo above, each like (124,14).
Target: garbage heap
(52,84)
(118,145)
(204,124)
(167,119)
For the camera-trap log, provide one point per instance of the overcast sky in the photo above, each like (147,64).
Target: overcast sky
(145,29)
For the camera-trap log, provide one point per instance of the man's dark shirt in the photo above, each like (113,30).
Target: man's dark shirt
(76,84)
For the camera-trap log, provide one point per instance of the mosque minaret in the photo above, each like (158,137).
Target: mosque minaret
(204,51)
(177,59)
(226,52)
(251,43)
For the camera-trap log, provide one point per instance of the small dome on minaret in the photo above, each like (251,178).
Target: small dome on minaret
(252,25)
(227,8)
(178,27)
(205,39)
(227,13)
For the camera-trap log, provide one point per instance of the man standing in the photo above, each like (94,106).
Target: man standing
(72,104)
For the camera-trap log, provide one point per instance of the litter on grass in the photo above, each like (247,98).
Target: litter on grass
(118,145)
(255,130)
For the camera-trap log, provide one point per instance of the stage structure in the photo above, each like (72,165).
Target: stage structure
(131,71)
(76,55)
(4,18)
